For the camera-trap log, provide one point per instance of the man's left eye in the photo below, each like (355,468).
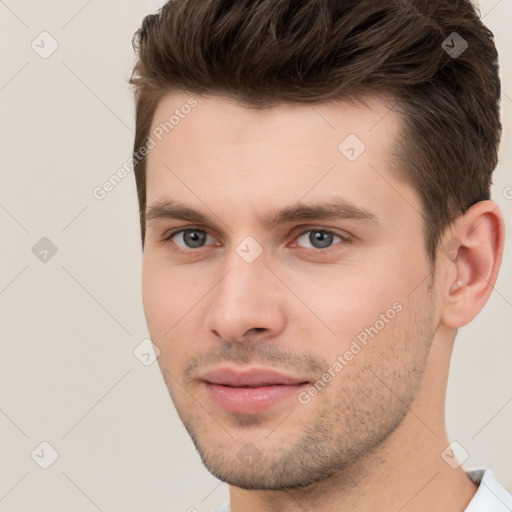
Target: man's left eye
(319,238)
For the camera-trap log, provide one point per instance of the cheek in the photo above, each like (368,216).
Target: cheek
(162,283)
(170,299)
(361,313)
(152,288)
(349,298)
(164,296)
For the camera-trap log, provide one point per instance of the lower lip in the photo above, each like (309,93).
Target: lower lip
(251,400)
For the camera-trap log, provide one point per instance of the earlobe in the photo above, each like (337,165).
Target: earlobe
(472,259)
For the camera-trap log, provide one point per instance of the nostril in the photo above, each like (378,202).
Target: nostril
(255,330)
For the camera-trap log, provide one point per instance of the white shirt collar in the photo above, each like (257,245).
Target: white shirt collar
(491,496)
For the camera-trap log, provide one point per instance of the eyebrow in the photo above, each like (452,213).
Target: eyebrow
(331,209)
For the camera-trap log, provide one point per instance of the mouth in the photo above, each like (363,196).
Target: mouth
(252,390)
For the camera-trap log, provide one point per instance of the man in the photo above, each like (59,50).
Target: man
(314,186)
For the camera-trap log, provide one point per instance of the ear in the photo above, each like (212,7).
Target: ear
(471,257)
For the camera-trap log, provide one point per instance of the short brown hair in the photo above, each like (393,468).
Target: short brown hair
(266,52)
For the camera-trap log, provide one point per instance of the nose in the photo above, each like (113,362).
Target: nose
(246,303)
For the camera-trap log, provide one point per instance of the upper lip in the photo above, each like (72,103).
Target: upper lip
(252,377)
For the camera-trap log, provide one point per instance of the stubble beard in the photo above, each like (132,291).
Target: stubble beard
(337,442)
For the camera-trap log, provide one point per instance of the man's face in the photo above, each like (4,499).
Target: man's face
(338,307)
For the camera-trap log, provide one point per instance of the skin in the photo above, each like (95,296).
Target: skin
(372,438)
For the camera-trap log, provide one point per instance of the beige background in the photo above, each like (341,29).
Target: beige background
(68,374)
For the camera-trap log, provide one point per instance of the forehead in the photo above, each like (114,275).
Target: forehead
(206,146)
(219,118)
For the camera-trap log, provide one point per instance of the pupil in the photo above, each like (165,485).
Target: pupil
(320,239)
(194,238)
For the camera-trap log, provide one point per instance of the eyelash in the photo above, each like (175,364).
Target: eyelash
(179,250)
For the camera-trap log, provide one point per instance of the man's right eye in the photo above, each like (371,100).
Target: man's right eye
(189,238)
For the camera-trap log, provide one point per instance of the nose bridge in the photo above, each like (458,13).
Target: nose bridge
(244,284)
(244,298)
